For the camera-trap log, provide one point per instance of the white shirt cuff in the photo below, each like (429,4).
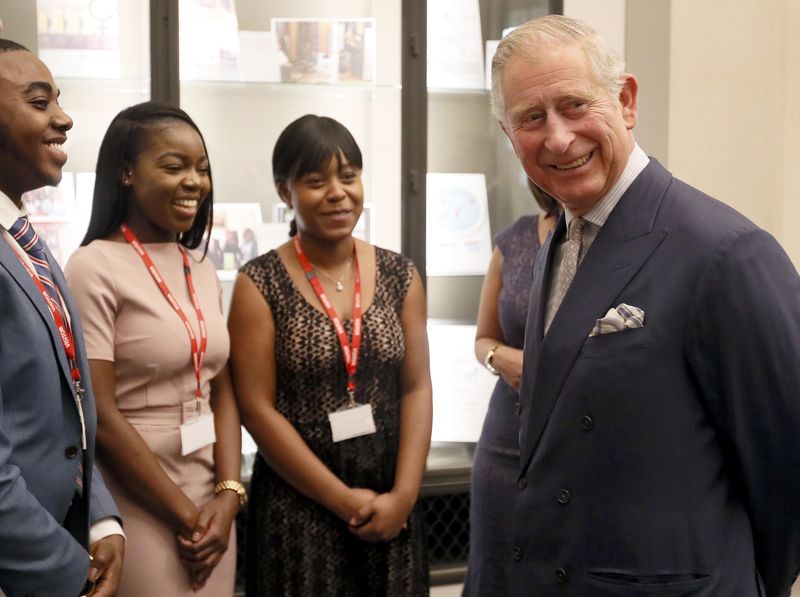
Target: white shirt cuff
(103,528)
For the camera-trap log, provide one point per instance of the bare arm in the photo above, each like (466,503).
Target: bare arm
(383,518)
(507,360)
(252,330)
(137,468)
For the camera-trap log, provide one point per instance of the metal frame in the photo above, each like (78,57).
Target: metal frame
(164,63)
(414,131)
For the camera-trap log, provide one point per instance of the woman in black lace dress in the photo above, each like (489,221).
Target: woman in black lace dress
(342,443)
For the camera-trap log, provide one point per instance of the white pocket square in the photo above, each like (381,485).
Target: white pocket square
(624,317)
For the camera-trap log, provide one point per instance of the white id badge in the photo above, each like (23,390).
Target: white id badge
(197,433)
(351,422)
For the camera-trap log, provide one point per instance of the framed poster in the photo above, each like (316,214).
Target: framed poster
(340,51)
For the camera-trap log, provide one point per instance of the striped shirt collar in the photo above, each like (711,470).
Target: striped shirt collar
(598,215)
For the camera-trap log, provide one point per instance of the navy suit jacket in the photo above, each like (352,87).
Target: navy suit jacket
(43,535)
(663,460)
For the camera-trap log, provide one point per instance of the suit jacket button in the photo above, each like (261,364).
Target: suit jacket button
(564,496)
(517,408)
(561,575)
(517,554)
(522,482)
(587,423)
(71,452)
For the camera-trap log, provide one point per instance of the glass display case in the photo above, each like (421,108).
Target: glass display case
(250,67)
(475,188)
(98,52)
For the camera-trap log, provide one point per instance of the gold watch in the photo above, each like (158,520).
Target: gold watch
(487,361)
(230,485)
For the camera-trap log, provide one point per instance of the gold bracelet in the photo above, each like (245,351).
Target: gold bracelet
(487,360)
(231,485)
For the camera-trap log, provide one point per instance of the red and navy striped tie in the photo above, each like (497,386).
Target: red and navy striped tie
(26,237)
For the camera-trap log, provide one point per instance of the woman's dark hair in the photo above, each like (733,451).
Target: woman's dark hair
(125,139)
(546,202)
(307,145)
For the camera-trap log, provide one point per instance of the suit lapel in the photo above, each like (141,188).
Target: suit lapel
(621,248)
(10,261)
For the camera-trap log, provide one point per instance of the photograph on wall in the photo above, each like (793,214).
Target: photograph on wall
(52,203)
(455,45)
(209,40)
(79,38)
(55,217)
(458,237)
(234,235)
(326,50)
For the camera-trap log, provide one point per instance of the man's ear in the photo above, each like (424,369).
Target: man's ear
(504,128)
(629,100)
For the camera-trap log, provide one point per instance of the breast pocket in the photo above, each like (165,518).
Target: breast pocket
(605,345)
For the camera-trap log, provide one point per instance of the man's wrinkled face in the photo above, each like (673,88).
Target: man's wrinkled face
(572,138)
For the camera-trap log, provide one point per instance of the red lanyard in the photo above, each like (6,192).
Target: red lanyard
(350,348)
(198,354)
(64,330)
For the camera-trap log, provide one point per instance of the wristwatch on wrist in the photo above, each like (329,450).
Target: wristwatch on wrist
(232,486)
(487,361)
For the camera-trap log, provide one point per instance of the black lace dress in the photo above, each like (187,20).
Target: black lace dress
(296,547)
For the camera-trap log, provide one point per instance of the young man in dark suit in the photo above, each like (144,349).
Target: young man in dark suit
(660,398)
(50,493)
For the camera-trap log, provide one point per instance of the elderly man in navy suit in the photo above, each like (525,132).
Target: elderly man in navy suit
(50,492)
(660,399)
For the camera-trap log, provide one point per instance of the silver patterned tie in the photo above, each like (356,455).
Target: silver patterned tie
(569,265)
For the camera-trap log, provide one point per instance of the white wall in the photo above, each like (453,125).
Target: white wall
(719,96)
(727,106)
(788,233)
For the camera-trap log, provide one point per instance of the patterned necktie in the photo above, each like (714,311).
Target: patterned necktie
(569,265)
(26,237)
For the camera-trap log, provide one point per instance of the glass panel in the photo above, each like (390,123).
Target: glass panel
(99,54)
(250,67)
(475,188)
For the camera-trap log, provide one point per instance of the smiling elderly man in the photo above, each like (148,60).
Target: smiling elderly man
(660,400)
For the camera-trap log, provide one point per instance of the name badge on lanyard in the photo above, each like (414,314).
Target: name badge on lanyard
(197,430)
(351,422)
(355,419)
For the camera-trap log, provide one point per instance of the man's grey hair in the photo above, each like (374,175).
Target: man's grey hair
(526,41)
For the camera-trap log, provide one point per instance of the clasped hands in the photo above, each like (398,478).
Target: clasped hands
(202,544)
(377,516)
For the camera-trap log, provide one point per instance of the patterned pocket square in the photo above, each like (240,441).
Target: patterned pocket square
(624,317)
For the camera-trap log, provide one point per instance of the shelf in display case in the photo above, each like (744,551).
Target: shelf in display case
(449,91)
(297,88)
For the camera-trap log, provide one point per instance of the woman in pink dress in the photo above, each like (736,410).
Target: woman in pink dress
(158,350)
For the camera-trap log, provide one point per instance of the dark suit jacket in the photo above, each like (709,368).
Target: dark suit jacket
(43,539)
(663,461)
